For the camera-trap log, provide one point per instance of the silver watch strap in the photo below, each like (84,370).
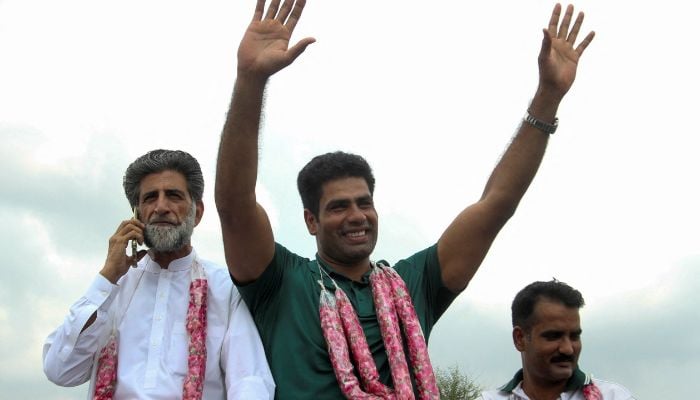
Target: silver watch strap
(541,125)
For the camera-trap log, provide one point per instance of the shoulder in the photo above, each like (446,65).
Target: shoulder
(421,258)
(218,276)
(286,257)
(612,390)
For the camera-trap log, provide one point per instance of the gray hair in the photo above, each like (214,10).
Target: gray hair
(163,160)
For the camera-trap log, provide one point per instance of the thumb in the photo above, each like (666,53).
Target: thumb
(546,45)
(296,50)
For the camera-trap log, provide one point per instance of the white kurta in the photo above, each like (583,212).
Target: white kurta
(609,390)
(149,305)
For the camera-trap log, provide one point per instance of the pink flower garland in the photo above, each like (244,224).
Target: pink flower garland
(338,348)
(417,348)
(360,348)
(591,392)
(197,329)
(196,324)
(389,327)
(341,326)
(106,376)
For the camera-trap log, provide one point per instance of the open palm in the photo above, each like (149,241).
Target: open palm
(558,58)
(264,48)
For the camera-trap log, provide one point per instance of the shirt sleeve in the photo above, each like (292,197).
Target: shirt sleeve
(247,373)
(423,278)
(262,294)
(68,354)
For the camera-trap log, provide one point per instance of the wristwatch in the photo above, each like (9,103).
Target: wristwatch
(541,125)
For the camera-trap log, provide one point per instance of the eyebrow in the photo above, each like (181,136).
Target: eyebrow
(559,332)
(167,192)
(346,201)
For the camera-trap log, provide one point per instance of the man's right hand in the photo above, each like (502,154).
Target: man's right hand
(118,263)
(264,49)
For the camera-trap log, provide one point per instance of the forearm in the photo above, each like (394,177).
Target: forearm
(248,240)
(237,165)
(515,171)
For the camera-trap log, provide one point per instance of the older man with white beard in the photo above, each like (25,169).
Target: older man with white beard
(162,323)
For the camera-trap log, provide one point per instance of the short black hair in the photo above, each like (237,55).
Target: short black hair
(525,301)
(327,167)
(163,160)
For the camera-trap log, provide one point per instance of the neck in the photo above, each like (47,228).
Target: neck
(537,391)
(352,271)
(164,258)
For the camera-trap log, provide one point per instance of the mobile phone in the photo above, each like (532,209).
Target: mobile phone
(134,250)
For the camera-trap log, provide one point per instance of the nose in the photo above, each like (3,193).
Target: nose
(355,214)
(161,206)
(566,346)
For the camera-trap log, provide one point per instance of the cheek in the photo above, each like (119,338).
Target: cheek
(577,348)
(547,349)
(145,213)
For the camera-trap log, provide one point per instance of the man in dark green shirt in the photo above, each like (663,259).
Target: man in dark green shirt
(282,289)
(285,301)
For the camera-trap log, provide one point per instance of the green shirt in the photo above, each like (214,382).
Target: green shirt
(284,303)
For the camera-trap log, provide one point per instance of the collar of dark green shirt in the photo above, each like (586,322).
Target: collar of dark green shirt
(578,380)
(313,266)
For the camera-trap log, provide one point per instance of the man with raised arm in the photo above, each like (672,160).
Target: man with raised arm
(339,324)
(171,327)
(547,333)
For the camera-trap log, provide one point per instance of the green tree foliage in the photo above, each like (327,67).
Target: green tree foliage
(454,385)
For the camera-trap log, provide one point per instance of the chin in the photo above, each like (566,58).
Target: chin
(562,373)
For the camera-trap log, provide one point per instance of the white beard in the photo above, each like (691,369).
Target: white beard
(166,239)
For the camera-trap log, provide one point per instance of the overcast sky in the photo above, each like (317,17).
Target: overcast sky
(430,93)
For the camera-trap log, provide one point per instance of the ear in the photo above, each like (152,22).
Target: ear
(519,338)
(198,212)
(311,222)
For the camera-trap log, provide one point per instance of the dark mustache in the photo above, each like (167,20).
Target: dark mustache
(562,358)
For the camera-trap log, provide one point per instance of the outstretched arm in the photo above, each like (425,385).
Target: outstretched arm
(463,246)
(264,50)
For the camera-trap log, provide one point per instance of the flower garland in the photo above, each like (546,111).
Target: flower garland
(591,392)
(196,324)
(417,348)
(106,377)
(340,326)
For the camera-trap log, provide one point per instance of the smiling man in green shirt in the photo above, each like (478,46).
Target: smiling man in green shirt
(308,354)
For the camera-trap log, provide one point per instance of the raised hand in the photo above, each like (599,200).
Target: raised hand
(264,48)
(558,57)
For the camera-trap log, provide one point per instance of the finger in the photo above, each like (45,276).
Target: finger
(585,42)
(272,9)
(132,224)
(285,10)
(259,9)
(564,28)
(295,15)
(130,231)
(554,20)
(119,228)
(575,29)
